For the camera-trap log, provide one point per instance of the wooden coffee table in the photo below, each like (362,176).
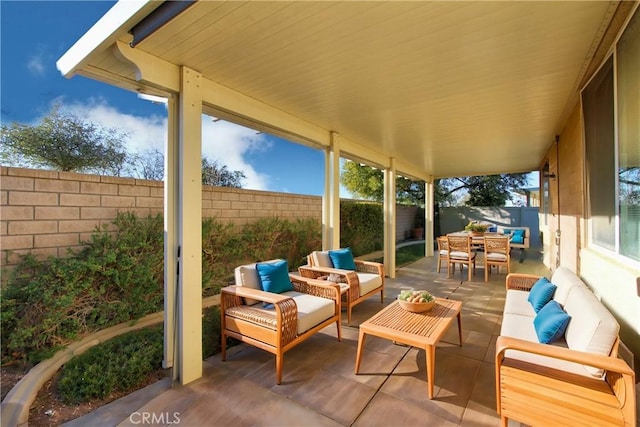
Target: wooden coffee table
(421,330)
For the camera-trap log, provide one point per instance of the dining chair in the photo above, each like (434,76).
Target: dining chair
(460,252)
(496,252)
(443,251)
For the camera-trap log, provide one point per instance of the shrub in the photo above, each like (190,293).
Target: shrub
(361,227)
(210,331)
(115,278)
(118,277)
(120,364)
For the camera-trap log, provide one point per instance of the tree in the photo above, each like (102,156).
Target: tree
(147,165)
(491,190)
(368,183)
(487,190)
(150,165)
(219,175)
(64,142)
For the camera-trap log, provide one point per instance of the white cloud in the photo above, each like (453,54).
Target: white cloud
(222,141)
(229,143)
(35,65)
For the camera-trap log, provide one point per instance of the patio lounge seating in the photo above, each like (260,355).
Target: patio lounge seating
(358,279)
(547,375)
(520,238)
(290,311)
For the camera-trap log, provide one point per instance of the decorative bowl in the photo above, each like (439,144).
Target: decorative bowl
(416,301)
(416,307)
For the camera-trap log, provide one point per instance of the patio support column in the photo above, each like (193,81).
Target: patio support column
(170,233)
(389,205)
(429,218)
(189,198)
(331,199)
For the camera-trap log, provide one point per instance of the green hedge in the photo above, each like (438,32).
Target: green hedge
(118,277)
(361,227)
(123,363)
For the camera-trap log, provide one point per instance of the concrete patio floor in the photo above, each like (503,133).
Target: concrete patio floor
(319,387)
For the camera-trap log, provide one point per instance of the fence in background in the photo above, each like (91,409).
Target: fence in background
(48,212)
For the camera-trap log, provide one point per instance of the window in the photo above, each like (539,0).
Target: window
(628,82)
(612,98)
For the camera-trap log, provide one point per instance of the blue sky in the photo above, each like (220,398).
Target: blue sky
(34,34)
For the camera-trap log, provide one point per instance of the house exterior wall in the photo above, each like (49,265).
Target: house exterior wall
(614,278)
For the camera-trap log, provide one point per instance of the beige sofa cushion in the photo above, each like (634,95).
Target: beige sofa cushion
(321,259)
(517,303)
(592,327)
(517,326)
(565,280)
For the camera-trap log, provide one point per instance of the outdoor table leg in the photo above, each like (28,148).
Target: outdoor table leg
(459,329)
(361,338)
(430,352)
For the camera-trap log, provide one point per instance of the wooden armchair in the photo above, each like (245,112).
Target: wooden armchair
(276,322)
(356,285)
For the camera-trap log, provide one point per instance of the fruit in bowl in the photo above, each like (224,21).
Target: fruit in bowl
(416,301)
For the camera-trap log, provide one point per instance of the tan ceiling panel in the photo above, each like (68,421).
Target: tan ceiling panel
(423,82)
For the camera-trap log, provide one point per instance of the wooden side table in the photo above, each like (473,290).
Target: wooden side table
(421,330)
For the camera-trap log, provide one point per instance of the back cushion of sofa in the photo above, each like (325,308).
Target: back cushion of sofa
(592,327)
(321,259)
(565,280)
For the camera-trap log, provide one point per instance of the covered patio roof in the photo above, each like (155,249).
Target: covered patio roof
(424,83)
(421,89)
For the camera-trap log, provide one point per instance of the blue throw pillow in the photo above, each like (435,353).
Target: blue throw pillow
(541,293)
(342,259)
(518,237)
(551,322)
(274,276)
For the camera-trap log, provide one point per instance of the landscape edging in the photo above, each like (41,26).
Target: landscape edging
(16,404)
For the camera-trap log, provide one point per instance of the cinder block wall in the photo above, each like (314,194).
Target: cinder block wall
(47,212)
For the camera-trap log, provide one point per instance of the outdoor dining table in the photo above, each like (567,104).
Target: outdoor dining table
(477,240)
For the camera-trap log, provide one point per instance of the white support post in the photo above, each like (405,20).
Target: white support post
(190,227)
(390,220)
(331,200)
(326,200)
(170,235)
(429,218)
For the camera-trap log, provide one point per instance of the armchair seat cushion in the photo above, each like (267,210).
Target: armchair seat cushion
(312,310)
(368,282)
